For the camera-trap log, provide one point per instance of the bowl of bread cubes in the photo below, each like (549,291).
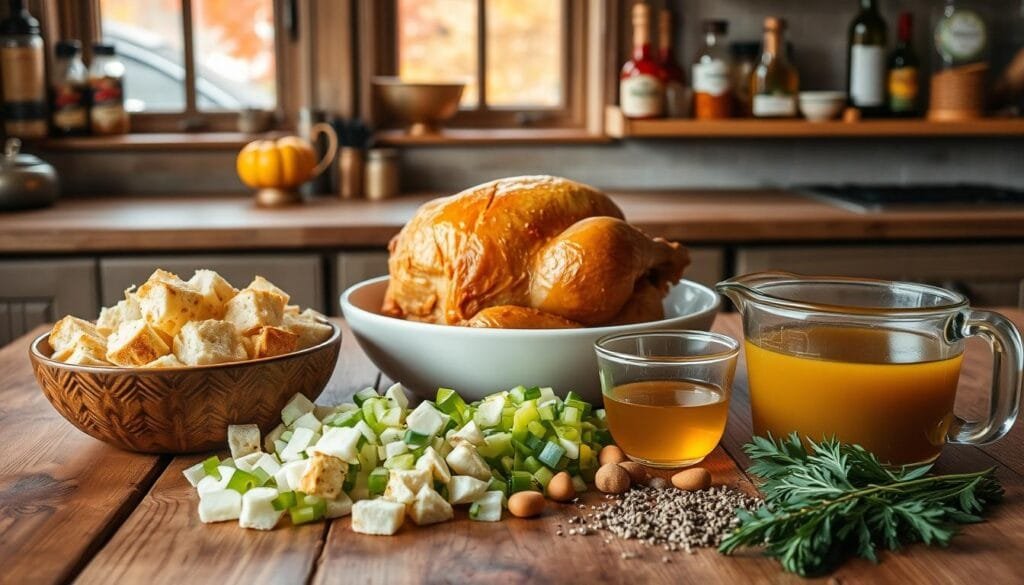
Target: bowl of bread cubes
(170,366)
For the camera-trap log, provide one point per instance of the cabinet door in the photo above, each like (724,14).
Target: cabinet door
(300,275)
(354,267)
(33,292)
(989,274)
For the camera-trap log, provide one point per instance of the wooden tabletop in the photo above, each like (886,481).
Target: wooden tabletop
(75,509)
(695,216)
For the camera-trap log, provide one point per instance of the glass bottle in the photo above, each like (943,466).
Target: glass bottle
(677,98)
(69,87)
(904,71)
(866,60)
(775,82)
(22,74)
(712,82)
(744,59)
(641,85)
(106,83)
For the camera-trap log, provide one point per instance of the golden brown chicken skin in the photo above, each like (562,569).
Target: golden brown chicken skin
(546,243)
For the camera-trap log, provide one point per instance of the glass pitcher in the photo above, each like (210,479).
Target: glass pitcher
(870,362)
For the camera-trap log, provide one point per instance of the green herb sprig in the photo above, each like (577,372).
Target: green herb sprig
(836,500)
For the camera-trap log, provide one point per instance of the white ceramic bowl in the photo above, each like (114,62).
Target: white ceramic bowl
(477,362)
(820,106)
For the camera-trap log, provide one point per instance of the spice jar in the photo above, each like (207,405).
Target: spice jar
(350,172)
(712,80)
(381,181)
(22,74)
(69,114)
(106,81)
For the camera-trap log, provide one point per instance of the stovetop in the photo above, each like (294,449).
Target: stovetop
(865,198)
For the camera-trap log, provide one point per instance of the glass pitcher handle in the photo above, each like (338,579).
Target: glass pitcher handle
(1007,362)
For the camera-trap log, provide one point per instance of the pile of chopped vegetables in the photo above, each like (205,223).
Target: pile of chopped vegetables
(393,461)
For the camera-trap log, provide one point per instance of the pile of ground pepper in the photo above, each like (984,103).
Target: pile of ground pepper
(673,518)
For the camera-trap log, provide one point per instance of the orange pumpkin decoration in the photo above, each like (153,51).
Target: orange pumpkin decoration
(277,167)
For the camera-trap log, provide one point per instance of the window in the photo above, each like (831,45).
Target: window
(522,60)
(193,64)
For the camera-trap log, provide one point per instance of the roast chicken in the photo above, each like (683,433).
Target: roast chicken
(528,253)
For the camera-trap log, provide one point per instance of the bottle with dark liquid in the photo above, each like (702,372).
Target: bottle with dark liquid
(641,82)
(712,75)
(866,60)
(22,74)
(677,98)
(69,111)
(775,82)
(904,71)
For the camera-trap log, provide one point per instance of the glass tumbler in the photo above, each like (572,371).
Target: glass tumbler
(666,393)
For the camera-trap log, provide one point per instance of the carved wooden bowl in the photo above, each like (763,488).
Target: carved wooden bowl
(180,410)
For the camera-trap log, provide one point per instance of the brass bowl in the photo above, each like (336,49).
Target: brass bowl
(423,105)
(180,410)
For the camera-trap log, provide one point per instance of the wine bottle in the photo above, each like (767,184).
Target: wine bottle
(22,74)
(774,82)
(904,72)
(677,97)
(641,84)
(866,60)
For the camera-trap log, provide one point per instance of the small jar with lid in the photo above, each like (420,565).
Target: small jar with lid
(106,82)
(381,180)
(69,90)
(712,75)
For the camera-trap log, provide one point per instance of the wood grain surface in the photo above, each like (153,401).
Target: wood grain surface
(234,223)
(160,539)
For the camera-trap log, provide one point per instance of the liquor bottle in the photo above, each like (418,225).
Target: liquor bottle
(677,96)
(904,72)
(866,60)
(23,80)
(641,85)
(69,88)
(712,75)
(106,83)
(775,82)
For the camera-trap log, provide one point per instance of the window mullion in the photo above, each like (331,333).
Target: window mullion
(191,108)
(481,51)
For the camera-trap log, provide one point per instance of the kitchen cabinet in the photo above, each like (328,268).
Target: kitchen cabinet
(33,292)
(707,265)
(354,267)
(301,275)
(989,274)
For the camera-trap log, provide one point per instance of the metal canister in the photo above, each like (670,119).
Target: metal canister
(381,181)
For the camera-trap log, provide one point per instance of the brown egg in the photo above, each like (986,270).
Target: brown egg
(526,504)
(610,454)
(560,488)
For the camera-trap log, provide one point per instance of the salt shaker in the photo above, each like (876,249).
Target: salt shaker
(381,180)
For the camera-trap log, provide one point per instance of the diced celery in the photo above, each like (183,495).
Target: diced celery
(297,406)
(397,397)
(404,461)
(500,485)
(546,394)
(521,447)
(303,515)
(546,411)
(551,454)
(395,449)
(415,439)
(368,456)
(572,448)
(286,436)
(262,477)
(508,464)
(242,481)
(508,415)
(521,481)
(567,432)
(517,394)
(378,481)
(571,415)
(348,418)
(603,437)
(449,402)
(575,400)
(536,429)
(280,445)
(390,435)
(488,414)
(496,445)
(534,443)
(210,466)
(426,420)
(364,395)
(532,393)
(284,500)
(309,421)
(369,416)
(543,477)
(531,464)
(392,418)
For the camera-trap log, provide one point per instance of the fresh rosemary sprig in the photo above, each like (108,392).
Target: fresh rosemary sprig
(835,500)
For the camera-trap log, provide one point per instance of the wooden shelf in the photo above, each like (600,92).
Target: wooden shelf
(618,126)
(497,136)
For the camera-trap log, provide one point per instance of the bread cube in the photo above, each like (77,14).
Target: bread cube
(258,510)
(135,343)
(161,275)
(167,306)
(292,309)
(243,440)
(342,506)
(216,292)
(67,332)
(251,309)
(309,330)
(379,517)
(324,476)
(220,506)
(270,341)
(260,283)
(111,317)
(404,484)
(84,357)
(168,361)
(201,343)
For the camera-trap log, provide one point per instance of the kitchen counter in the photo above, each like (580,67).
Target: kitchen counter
(695,216)
(79,510)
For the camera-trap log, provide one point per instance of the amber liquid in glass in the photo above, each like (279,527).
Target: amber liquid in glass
(666,422)
(891,392)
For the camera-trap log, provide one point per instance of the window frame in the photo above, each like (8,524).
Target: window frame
(82,20)
(377,37)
